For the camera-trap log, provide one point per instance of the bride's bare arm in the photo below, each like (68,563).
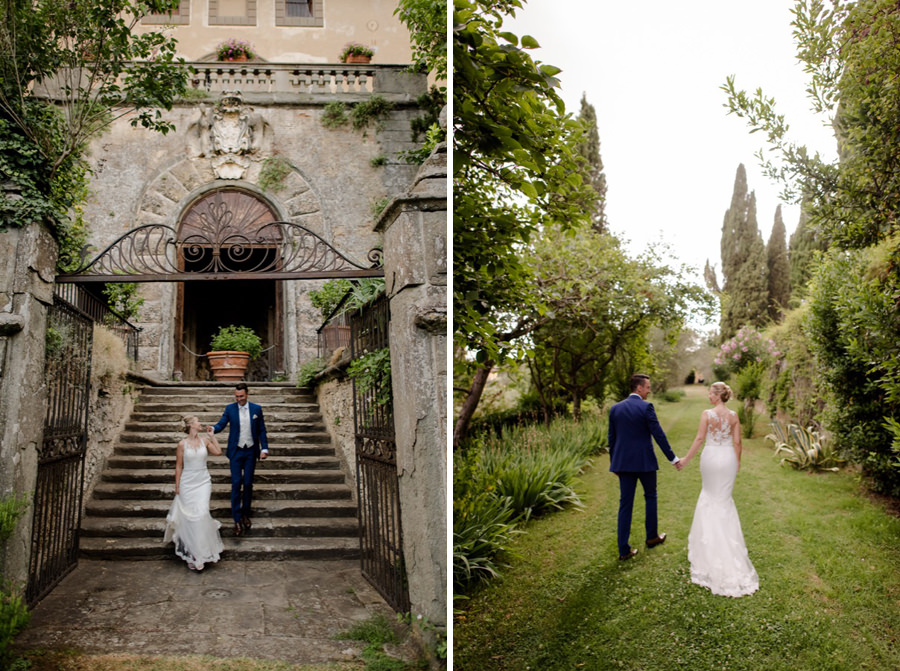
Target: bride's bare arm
(179,464)
(698,440)
(212,445)
(736,439)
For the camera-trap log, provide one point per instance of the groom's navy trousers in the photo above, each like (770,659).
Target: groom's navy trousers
(633,427)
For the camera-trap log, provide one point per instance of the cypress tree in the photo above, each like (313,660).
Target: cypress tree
(744,269)
(589,148)
(779,269)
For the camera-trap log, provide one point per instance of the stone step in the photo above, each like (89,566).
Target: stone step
(172,423)
(278,438)
(263,527)
(256,388)
(244,548)
(275,451)
(261,491)
(222,475)
(303,506)
(167,462)
(221,508)
(193,407)
(212,414)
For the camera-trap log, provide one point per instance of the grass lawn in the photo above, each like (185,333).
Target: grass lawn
(828,559)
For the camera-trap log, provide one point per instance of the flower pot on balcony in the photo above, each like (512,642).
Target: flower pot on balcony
(239,57)
(228,366)
(357,58)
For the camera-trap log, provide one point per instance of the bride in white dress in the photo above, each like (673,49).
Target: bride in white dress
(716,549)
(189,524)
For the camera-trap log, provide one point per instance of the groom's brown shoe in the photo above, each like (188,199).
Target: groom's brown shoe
(659,540)
(631,553)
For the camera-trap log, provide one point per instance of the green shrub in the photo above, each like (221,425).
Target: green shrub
(14,613)
(309,370)
(804,448)
(483,523)
(854,331)
(792,387)
(500,482)
(748,388)
(671,395)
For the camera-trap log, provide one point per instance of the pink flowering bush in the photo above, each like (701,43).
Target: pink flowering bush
(748,346)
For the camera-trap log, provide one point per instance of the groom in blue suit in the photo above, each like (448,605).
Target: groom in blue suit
(246,443)
(632,428)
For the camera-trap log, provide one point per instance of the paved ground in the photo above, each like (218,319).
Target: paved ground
(282,610)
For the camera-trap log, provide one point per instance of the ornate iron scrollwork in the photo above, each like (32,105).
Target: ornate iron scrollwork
(214,245)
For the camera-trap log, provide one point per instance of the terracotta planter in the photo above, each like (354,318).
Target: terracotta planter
(239,57)
(227,366)
(357,58)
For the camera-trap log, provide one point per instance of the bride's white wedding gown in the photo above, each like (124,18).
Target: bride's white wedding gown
(189,524)
(716,548)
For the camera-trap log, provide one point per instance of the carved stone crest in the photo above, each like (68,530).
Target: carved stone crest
(230,134)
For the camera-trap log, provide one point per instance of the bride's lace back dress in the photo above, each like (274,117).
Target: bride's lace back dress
(189,524)
(716,548)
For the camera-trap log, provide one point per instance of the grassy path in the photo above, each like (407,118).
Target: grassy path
(827,557)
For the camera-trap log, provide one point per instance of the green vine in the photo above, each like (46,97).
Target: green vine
(372,374)
(273,173)
(334,115)
(359,115)
(373,109)
(332,292)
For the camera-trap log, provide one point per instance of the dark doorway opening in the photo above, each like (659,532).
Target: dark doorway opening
(206,306)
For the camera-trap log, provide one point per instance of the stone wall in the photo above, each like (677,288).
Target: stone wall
(335,397)
(415,232)
(111,402)
(27,261)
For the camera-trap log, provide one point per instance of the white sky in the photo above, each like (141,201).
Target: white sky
(653,70)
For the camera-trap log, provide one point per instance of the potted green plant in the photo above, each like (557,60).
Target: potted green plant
(231,351)
(354,52)
(235,50)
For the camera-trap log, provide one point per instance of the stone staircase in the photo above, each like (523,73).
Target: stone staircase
(303,506)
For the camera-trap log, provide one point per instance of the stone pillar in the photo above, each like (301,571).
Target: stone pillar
(27,271)
(415,262)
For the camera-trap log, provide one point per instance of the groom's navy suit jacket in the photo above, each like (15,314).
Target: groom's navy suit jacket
(632,423)
(257,428)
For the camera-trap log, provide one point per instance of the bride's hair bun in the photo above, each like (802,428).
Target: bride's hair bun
(186,422)
(722,390)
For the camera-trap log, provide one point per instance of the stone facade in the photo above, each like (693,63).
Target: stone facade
(330,188)
(27,262)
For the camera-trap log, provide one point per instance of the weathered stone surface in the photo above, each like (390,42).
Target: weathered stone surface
(414,242)
(22,385)
(336,403)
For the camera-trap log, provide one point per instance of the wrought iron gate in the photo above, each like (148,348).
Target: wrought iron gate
(377,482)
(57,496)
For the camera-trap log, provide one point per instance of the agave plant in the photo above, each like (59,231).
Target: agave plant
(804,448)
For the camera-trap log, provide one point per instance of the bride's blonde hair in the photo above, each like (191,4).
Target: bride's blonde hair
(186,422)
(722,390)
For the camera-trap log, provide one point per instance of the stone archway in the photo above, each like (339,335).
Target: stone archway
(202,307)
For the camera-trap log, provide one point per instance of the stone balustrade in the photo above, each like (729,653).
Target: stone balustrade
(334,79)
(293,82)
